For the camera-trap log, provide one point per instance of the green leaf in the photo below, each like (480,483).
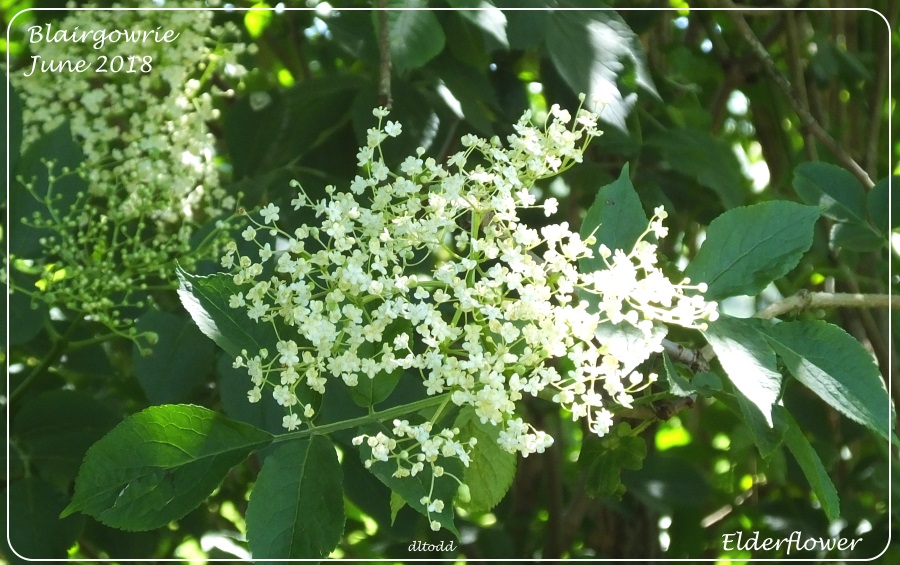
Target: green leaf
(882,207)
(596,53)
(492,469)
(179,362)
(835,190)
(487,16)
(206,300)
(415,36)
(810,464)
(748,361)
(697,154)
(160,464)
(413,489)
(836,367)
(57,427)
(616,219)
(35,529)
(296,509)
(747,248)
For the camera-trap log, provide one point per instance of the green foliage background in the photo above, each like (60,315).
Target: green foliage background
(697,124)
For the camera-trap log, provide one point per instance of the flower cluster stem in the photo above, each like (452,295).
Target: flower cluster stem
(381,416)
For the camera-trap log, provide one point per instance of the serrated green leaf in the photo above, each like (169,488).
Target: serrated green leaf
(748,361)
(178,362)
(206,300)
(492,469)
(296,509)
(159,464)
(835,366)
(415,36)
(616,219)
(35,529)
(834,189)
(595,52)
(57,427)
(747,248)
(810,464)
(413,489)
(882,207)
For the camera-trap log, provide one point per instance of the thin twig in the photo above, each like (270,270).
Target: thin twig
(805,299)
(693,358)
(806,118)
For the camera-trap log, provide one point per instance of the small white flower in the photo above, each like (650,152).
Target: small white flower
(551,205)
(269,213)
(393,129)
(291,422)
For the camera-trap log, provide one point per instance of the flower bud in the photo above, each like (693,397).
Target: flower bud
(463,494)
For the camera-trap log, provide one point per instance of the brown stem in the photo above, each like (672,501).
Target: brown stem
(806,118)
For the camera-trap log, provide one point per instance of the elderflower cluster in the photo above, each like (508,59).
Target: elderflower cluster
(149,171)
(429,269)
(411,448)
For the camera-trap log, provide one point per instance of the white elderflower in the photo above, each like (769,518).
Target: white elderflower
(430,270)
(150,171)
